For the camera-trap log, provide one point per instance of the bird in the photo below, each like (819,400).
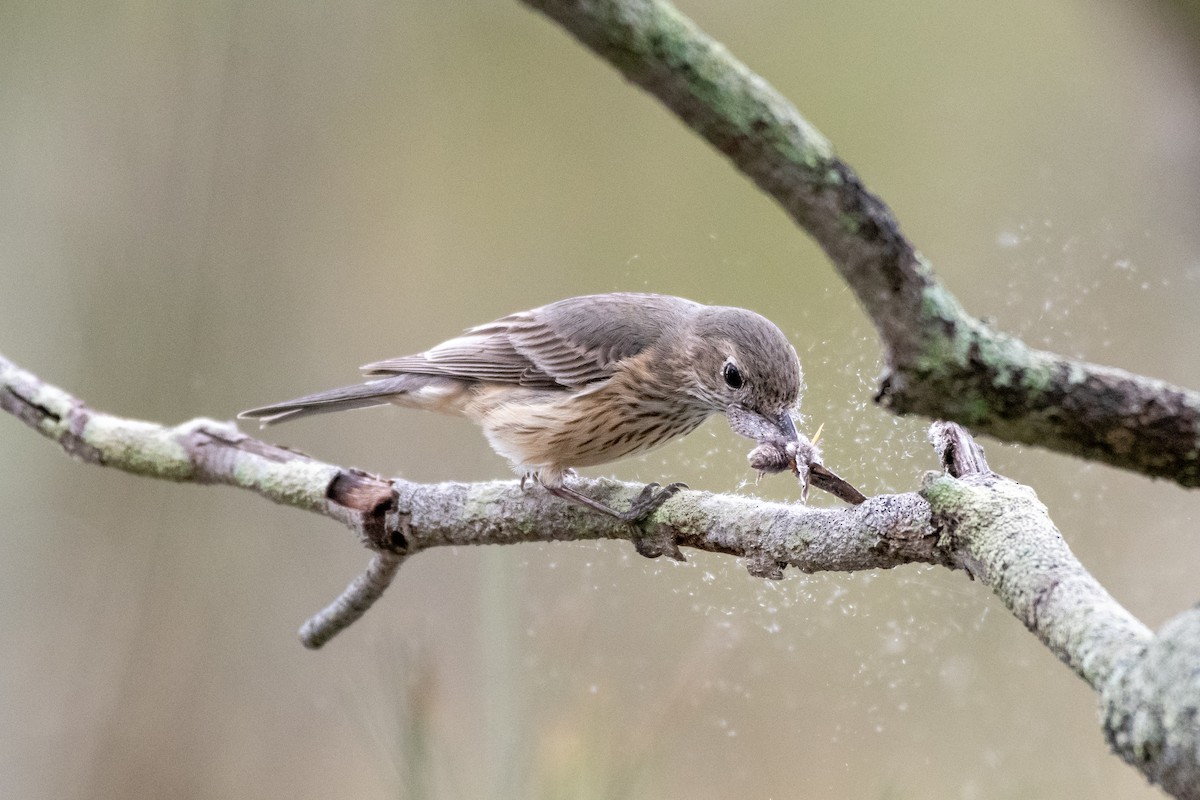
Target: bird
(588,380)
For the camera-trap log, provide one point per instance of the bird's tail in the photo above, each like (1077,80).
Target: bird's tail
(361,395)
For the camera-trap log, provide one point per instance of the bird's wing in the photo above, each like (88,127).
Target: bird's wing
(568,344)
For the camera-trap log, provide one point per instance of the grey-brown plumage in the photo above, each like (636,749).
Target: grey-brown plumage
(588,380)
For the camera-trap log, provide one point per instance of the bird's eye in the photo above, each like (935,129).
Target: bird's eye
(732,375)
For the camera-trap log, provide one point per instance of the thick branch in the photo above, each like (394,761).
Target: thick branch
(1151,707)
(1001,534)
(942,362)
(1148,685)
(991,527)
(399,516)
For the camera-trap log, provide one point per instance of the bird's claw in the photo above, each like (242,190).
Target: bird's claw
(653,545)
(646,503)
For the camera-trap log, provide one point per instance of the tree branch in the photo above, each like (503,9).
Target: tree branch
(1001,534)
(398,518)
(941,361)
(968,519)
(1148,685)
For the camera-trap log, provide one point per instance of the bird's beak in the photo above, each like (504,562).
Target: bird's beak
(761,428)
(787,427)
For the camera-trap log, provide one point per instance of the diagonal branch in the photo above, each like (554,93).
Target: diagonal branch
(1003,536)
(941,361)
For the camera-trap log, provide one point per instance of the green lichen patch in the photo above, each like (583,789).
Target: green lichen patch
(139,447)
(299,483)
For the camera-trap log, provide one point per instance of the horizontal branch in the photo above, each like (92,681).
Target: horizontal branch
(203,451)
(402,517)
(941,361)
(969,519)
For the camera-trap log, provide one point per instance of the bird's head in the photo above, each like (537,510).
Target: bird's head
(746,368)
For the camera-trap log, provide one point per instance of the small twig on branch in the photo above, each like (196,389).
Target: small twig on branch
(941,361)
(205,451)
(351,604)
(958,452)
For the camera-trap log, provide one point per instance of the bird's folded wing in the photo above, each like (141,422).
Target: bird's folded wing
(563,345)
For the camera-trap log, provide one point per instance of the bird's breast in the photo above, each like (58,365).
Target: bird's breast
(536,429)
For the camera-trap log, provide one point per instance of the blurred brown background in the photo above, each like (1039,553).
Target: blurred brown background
(206,206)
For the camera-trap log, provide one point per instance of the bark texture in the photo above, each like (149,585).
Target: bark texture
(966,519)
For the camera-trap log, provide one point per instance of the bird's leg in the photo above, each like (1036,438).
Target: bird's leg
(537,481)
(645,504)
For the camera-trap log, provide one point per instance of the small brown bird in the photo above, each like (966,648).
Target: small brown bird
(588,380)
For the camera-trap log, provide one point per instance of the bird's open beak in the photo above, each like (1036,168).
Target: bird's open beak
(760,428)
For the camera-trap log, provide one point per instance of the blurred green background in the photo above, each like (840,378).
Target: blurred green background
(210,206)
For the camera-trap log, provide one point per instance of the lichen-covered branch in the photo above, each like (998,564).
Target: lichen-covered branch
(1000,533)
(969,519)
(941,361)
(1150,707)
(400,518)
(202,451)
(1148,685)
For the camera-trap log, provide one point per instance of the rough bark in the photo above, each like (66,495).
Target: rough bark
(967,519)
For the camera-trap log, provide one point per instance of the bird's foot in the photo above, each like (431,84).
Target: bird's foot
(659,542)
(646,503)
(649,544)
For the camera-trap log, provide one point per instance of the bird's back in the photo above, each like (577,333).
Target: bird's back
(566,345)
